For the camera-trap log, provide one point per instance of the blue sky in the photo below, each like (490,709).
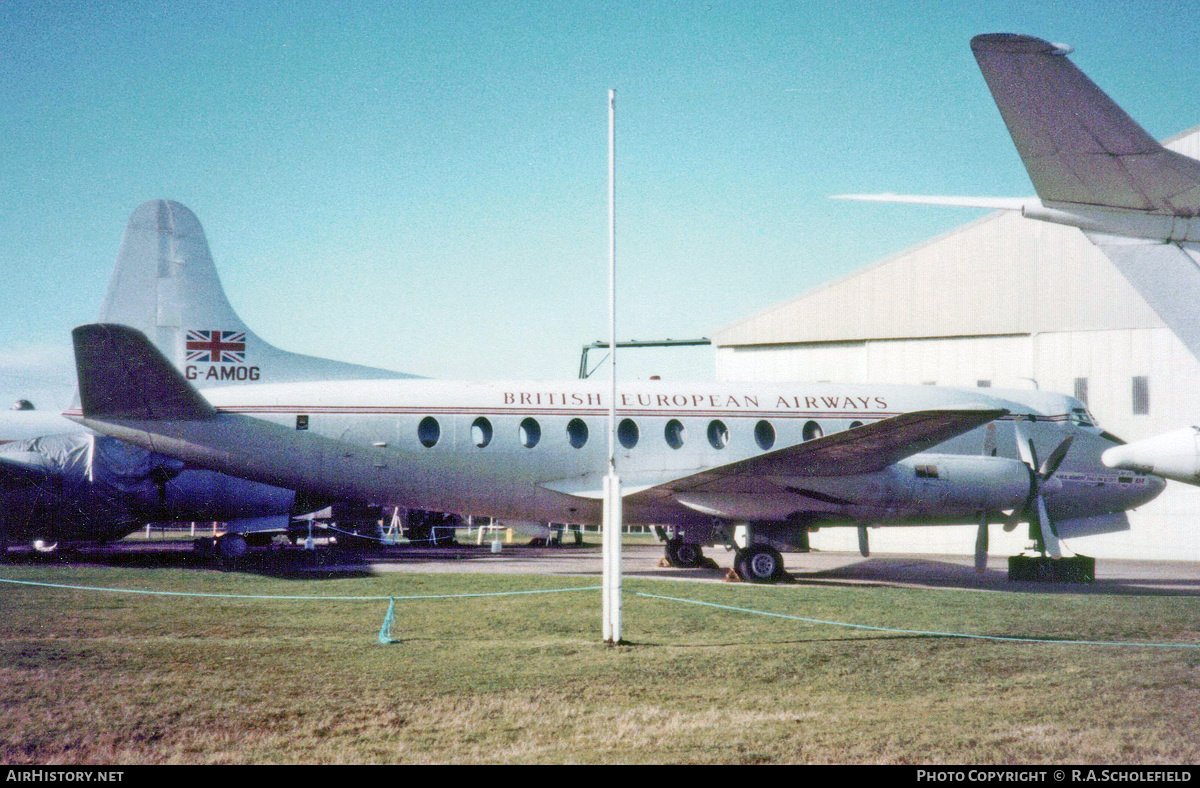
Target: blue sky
(422,186)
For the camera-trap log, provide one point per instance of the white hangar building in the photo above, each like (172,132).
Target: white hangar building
(1005,302)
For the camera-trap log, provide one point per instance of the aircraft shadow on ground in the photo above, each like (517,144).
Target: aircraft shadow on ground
(944,574)
(325,563)
(290,563)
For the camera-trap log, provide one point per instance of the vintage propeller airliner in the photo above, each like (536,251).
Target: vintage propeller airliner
(695,459)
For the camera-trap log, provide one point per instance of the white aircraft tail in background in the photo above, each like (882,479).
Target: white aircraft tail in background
(1095,168)
(166,286)
(1081,149)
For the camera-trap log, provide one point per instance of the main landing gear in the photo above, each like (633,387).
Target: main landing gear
(758,563)
(684,555)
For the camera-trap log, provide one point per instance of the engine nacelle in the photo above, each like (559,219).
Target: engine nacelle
(937,486)
(1172,455)
(942,485)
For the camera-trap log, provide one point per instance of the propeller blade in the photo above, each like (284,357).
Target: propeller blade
(864,547)
(981,544)
(1049,535)
(1025,447)
(1055,459)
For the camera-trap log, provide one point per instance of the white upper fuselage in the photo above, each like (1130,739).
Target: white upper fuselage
(537,450)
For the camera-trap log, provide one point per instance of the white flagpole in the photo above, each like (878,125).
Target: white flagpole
(612,514)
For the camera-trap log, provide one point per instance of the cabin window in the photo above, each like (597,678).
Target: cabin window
(428,432)
(530,433)
(577,433)
(481,432)
(812,430)
(718,434)
(675,434)
(927,472)
(764,435)
(855,424)
(627,433)
(302,422)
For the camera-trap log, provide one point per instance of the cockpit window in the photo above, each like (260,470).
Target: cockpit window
(1080,417)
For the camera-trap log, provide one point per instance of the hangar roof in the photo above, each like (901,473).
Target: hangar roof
(1000,274)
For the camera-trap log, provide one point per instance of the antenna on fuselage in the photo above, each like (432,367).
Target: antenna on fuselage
(611,513)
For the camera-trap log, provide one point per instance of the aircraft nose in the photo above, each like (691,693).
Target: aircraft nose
(1144,493)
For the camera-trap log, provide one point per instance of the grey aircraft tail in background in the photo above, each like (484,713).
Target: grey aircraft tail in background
(60,483)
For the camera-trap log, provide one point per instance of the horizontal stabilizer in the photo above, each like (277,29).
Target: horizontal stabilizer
(1078,146)
(123,376)
(991,203)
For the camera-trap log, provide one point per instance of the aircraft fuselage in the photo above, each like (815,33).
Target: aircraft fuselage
(537,451)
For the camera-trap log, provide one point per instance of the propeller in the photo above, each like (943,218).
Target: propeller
(1034,509)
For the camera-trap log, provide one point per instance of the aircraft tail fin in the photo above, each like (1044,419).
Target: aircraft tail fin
(166,286)
(1077,144)
(122,376)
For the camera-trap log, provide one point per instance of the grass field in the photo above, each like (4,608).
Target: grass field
(91,677)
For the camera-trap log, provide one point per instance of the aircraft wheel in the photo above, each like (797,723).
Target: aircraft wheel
(682,555)
(759,563)
(232,546)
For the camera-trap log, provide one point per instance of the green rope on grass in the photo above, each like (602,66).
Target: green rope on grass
(385,631)
(917,632)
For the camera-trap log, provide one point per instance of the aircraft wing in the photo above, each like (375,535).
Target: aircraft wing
(1077,144)
(866,449)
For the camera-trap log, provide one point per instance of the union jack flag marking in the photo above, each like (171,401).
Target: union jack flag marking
(216,347)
